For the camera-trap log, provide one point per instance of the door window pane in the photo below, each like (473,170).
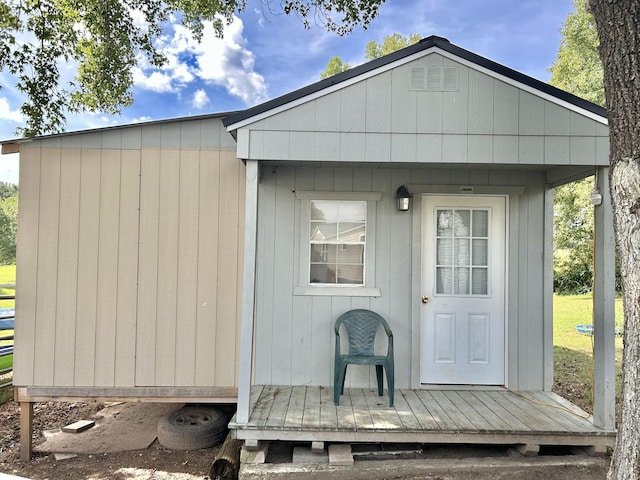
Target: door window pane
(462,243)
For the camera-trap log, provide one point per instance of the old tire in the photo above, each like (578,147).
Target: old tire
(192,427)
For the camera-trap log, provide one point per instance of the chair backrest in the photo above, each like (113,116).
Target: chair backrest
(361,327)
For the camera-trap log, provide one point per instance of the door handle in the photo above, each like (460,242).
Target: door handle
(425,299)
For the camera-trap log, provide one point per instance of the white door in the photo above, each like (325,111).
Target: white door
(463,285)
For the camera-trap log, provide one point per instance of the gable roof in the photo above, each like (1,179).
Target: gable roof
(433,42)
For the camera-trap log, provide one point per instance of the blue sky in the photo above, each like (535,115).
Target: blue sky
(264,55)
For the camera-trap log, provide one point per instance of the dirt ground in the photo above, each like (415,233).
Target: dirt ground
(155,462)
(158,463)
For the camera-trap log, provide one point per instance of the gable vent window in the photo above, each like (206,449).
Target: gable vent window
(434,78)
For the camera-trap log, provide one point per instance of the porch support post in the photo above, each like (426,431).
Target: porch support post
(547,290)
(248,292)
(604,378)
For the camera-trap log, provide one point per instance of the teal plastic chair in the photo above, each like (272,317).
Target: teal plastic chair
(361,327)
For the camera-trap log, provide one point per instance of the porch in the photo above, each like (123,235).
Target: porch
(471,416)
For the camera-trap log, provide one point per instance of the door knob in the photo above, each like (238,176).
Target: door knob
(425,299)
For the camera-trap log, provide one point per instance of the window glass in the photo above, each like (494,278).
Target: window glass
(462,251)
(337,242)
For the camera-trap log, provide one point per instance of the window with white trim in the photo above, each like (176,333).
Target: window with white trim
(337,251)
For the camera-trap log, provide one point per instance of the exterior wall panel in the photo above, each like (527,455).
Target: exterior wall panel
(376,119)
(129,267)
(294,333)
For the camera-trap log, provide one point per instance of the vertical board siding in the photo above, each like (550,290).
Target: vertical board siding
(186,321)
(108,249)
(165,344)
(127,280)
(47,276)
(128,260)
(66,301)
(148,270)
(231,234)
(294,333)
(207,281)
(27,259)
(88,241)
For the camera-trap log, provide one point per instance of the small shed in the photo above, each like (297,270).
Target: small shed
(207,258)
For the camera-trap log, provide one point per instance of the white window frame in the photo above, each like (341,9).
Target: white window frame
(345,290)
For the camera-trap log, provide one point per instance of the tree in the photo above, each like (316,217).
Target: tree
(8,222)
(573,237)
(617,23)
(577,68)
(335,66)
(104,39)
(390,43)
(373,50)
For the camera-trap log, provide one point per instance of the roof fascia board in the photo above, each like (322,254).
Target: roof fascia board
(525,87)
(332,88)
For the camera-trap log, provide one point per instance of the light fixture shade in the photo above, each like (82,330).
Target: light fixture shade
(403,198)
(403,203)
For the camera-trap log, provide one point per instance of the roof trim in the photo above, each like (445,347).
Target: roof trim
(406,55)
(206,116)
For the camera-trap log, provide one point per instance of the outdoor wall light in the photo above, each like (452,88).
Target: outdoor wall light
(403,198)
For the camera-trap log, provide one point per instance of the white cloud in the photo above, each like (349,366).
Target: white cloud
(200,99)
(226,62)
(156,81)
(7,114)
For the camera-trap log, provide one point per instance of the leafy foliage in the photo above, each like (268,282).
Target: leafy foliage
(102,40)
(573,238)
(390,44)
(8,222)
(578,68)
(335,66)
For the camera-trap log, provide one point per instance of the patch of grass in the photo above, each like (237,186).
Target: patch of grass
(573,351)
(7,276)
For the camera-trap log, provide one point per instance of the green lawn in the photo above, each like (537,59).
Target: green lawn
(573,352)
(7,276)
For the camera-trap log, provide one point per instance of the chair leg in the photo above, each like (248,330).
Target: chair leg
(390,384)
(380,379)
(338,384)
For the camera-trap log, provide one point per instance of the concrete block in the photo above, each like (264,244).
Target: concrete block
(64,456)
(254,457)
(306,455)
(340,454)
(317,447)
(79,426)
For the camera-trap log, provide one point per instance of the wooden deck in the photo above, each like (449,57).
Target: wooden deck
(497,416)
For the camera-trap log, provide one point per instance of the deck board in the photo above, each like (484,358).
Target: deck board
(306,413)
(311,414)
(405,413)
(384,417)
(437,412)
(295,410)
(495,422)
